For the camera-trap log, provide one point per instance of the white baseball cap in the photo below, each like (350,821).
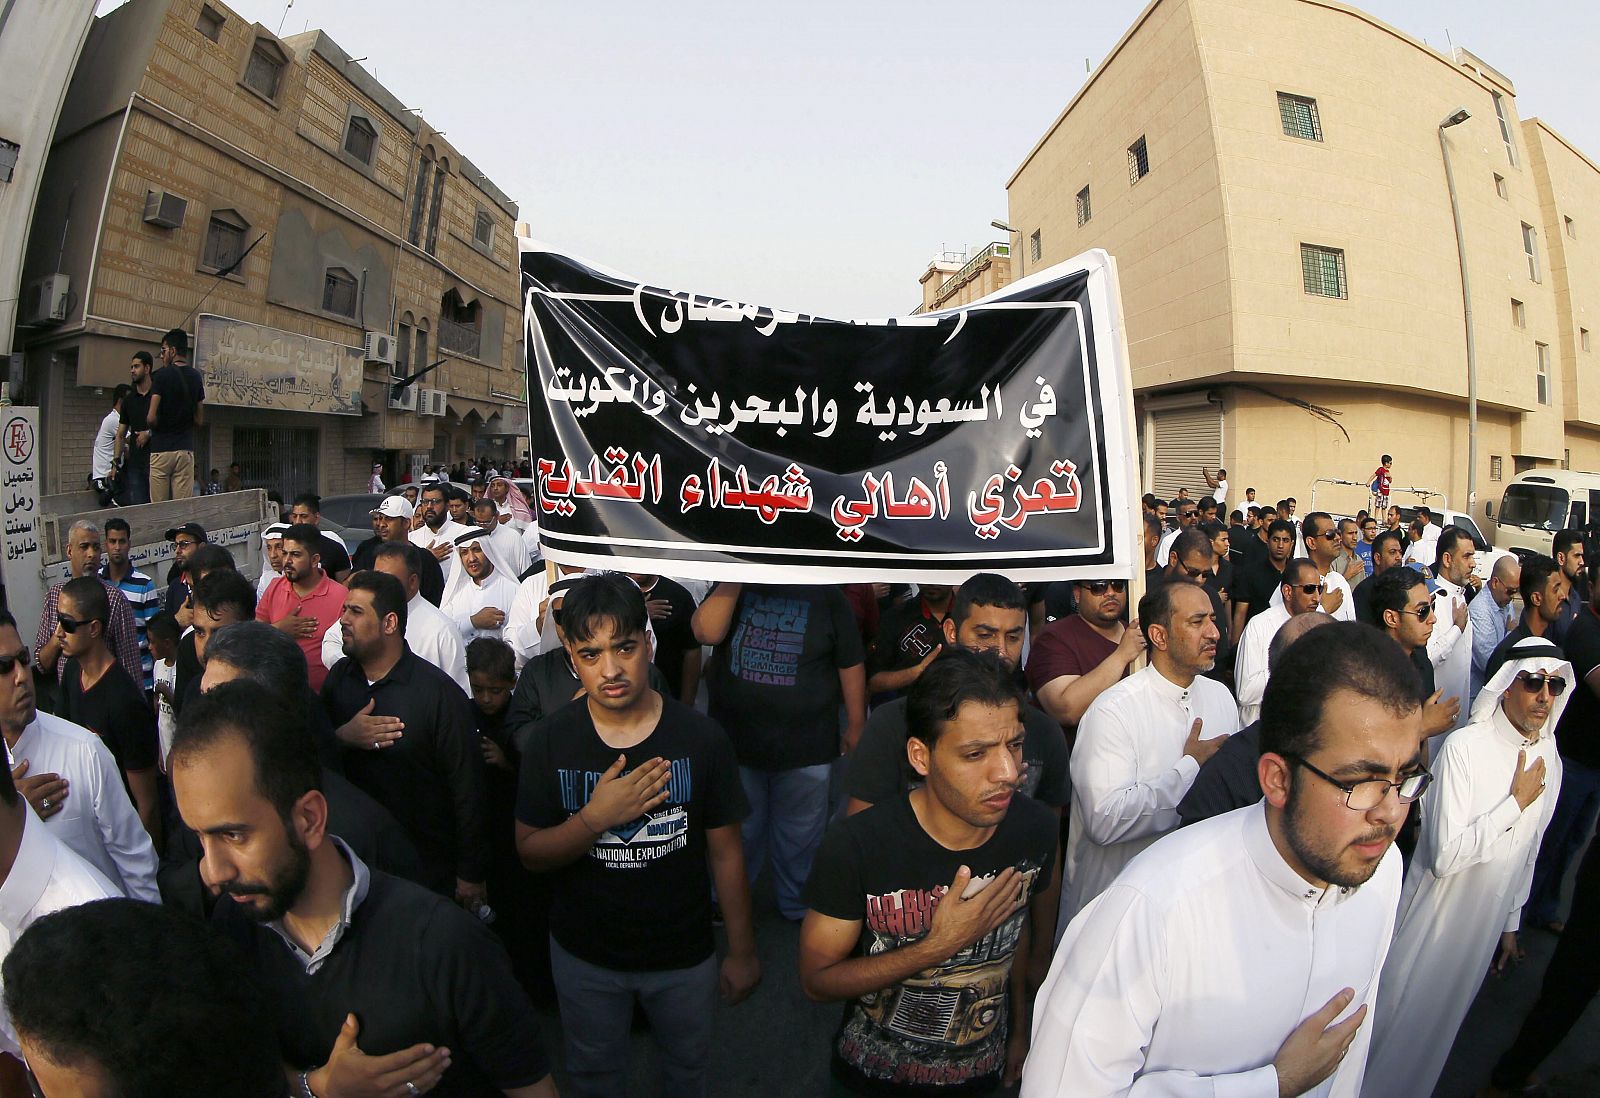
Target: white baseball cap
(394,507)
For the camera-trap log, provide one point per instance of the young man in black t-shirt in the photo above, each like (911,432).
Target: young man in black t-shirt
(376,982)
(910,635)
(99,694)
(627,797)
(921,905)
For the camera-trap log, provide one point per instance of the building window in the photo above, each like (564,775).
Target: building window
(339,292)
(1505,128)
(1084,210)
(1300,118)
(421,361)
(1583,338)
(483,228)
(1138,161)
(277,455)
(435,206)
(1035,247)
(1519,314)
(1530,245)
(1543,350)
(1496,467)
(460,325)
(361,139)
(224,240)
(1500,186)
(1571,227)
(210,22)
(1323,271)
(264,73)
(419,195)
(1566,459)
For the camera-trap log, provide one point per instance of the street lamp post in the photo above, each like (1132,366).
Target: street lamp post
(1003,227)
(1456,119)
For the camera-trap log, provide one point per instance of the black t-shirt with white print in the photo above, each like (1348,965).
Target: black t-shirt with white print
(944,1030)
(640,899)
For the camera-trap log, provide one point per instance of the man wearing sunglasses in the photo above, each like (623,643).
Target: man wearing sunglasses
(1188,516)
(1450,647)
(1300,593)
(83,559)
(1323,545)
(1076,659)
(1464,890)
(1405,612)
(1242,954)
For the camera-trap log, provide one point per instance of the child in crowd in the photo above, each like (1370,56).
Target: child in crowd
(163,633)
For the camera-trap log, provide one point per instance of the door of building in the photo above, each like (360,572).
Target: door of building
(281,458)
(1185,440)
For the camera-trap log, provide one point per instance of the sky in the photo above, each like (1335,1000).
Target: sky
(811,156)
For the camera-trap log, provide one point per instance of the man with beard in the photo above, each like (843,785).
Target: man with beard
(433,529)
(1141,743)
(1077,658)
(307,511)
(369,974)
(631,801)
(392,518)
(1227,958)
(1300,593)
(963,847)
(1254,586)
(429,633)
(305,601)
(1465,888)
(479,593)
(272,556)
(1388,551)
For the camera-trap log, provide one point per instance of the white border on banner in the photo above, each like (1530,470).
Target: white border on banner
(1116,396)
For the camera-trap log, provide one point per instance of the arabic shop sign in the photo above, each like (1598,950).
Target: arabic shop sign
(253,366)
(706,438)
(19,511)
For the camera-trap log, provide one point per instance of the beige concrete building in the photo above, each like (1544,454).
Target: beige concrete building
(955,278)
(190,132)
(1270,178)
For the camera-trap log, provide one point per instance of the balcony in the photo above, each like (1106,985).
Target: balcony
(462,339)
(948,287)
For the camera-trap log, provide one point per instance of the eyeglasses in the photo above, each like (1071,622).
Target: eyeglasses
(1329,535)
(1197,574)
(1306,588)
(1100,587)
(1423,612)
(1535,683)
(72,625)
(9,663)
(1369,793)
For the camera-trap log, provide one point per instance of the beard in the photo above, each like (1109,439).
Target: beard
(1322,858)
(281,891)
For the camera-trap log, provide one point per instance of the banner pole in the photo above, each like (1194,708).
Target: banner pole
(1131,461)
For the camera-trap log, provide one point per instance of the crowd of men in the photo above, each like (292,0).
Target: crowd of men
(344,825)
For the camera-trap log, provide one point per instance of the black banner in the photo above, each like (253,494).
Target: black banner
(694,436)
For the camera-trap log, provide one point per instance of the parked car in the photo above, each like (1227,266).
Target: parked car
(350,517)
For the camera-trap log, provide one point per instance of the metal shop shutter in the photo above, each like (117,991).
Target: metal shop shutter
(1185,439)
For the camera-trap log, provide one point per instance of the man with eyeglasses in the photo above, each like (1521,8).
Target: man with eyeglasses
(1450,647)
(1242,954)
(1141,742)
(1075,659)
(1300,593)
(1465,887)
(1193,560)
(1405,612)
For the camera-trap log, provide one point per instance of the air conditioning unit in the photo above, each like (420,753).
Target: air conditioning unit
(380,348)
(45,300)
(165,209)
(405,400)
(431,403)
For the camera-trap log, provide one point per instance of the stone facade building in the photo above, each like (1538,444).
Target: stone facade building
(191,136)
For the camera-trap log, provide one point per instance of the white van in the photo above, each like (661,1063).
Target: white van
(1538,503)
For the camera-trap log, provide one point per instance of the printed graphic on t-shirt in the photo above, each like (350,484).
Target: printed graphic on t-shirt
(640,841)
(769,640)
(947,1024)
(921,639)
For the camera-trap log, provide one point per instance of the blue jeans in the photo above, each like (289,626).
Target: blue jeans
(788,814)
(597,1011)
(136,478)
(1577,807)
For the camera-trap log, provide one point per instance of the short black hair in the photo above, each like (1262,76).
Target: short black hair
(1149,501)
(210,557)
(1191,540)
(955,677)
(1565,540)
(1386,460)
(1207,502)
(1389,590)
(485,501)
(283,751)
(1383,536)
(1317,517)
(1237,517)
(266,656)
(1280,526)
(310,501)
(306,536)
(88,594)
(986,589)
(1294,567)
(492,657)
(1345,655)
(1536,572)
(156,972)
(388,597)
(165,626)
(436,486)
(610,596)
(1212,529)
(145,357)
(1151,522)
(120,393)
(226,589)
(1422,509)
(1451,537)
(394,550)
(119,524)
(1155,608)
(177,339)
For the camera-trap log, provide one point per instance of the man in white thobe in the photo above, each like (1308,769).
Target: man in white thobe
(479,593)
(1299,593)
(1470,876)
(507,541)
(271,556)
(1241,955)
(1322,546)
(1450,647)
(429,633)
(1142,741)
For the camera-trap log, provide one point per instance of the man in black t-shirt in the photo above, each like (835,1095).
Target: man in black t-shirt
(910,635)
(176,396)
(1259,578)
(921,905)
(307,511)
(99,694)
(376,982)
(672,615)
(626,799)
(136,424)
